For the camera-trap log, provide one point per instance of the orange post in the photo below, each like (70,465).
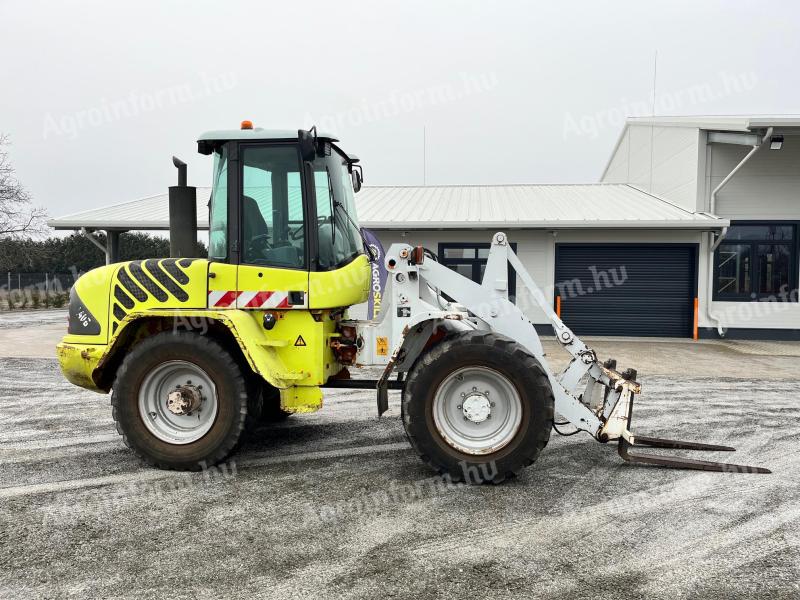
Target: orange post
(694,328)
(558,306)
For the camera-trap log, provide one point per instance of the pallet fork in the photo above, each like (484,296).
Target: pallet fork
(628,441)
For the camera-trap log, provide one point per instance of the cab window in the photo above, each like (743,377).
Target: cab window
(339,237)
(218,208)
(272,207)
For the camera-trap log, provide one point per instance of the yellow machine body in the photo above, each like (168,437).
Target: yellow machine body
(115,306)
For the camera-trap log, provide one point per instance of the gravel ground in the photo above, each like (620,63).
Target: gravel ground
(336,505)
(31,333)
(14,319)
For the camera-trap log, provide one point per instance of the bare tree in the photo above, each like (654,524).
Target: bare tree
(17,214)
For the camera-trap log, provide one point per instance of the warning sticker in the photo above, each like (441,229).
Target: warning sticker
(382,346)
(300,341)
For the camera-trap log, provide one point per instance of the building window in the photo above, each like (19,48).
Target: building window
(470,261)
(757,262)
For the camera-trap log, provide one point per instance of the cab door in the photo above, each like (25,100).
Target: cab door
(273,265)
(222,271)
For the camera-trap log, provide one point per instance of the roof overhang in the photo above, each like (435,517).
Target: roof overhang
(720,122)
(70,224)
(710,225)
(589,206)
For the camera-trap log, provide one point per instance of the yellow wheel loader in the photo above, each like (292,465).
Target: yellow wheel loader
(193,349)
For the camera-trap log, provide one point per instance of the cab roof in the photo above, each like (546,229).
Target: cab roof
(257,133)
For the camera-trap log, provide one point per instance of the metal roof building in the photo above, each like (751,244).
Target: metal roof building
(692,230)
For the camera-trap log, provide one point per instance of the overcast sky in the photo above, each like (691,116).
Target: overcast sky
(97,97)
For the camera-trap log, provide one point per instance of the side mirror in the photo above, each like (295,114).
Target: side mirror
(308,143)
(358,176)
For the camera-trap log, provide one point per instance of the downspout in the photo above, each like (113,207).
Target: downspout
(94,240)
(714,244)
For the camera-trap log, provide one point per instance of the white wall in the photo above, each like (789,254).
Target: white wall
(766,187)
(659,160)
(758,315)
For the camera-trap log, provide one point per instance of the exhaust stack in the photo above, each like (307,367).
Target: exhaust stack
(182,215)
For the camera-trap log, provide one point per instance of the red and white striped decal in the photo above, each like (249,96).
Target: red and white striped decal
(222,298)
(263,300)
(254,300)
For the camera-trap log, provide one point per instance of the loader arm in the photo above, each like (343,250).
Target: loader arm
(593,396)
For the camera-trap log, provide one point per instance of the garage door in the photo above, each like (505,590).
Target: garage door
(627,289)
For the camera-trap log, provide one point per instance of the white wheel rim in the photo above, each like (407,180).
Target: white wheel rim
(477,410)
(154,392)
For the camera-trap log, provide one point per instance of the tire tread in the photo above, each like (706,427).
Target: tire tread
(511,351)
(226,364)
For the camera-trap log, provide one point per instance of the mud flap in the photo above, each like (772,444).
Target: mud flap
(383,388)
(383,398)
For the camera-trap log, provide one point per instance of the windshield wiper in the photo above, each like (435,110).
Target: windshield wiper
(336,204)
(372,257)
(333,209)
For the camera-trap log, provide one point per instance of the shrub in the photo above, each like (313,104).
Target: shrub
(59,299)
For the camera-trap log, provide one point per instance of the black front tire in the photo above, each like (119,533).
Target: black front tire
(512,361)
(211,357)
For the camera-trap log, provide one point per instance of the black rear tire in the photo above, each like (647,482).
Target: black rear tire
(271,411)
(515,365)
(231,391)
(255,405)
(263,407)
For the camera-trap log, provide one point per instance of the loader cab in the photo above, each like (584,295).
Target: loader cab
(283,200)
